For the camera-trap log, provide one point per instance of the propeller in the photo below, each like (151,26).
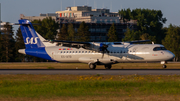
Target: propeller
(103,48)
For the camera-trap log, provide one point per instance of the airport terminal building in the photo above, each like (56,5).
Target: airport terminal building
(99,21)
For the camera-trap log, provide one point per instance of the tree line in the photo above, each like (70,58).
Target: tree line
(149,26)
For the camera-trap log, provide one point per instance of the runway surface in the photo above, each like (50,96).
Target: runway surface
(92,72)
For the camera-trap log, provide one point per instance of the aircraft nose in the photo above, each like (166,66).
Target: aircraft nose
(170,55)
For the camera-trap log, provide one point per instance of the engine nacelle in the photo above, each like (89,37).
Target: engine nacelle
(98,46)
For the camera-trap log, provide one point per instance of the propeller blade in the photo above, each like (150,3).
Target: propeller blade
(107,51)
(103,54)
(104,49)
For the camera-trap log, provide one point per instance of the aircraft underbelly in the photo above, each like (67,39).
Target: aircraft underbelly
(75,57)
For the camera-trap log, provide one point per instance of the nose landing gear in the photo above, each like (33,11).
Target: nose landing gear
(164,62)
(164,66)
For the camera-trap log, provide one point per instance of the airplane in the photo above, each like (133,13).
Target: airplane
(92,53)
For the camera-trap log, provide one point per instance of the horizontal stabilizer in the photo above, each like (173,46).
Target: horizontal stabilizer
(25,24)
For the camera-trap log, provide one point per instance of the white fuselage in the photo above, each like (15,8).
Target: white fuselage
(117,53)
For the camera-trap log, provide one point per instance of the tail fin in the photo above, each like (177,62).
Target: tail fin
(31,39)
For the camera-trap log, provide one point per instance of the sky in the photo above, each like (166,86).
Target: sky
(11,9)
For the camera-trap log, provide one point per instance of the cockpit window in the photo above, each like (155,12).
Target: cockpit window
(159,48)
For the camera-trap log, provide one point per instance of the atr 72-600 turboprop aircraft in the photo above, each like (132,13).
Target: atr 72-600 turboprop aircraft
(92,53)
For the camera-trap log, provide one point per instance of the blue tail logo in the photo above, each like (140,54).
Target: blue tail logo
(31,40)
(30,37)
(34,46)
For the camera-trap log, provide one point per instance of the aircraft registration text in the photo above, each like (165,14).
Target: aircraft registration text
(66,56)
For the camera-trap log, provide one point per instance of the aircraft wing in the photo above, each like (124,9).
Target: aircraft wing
(88,43)
(70,42)
(137,41)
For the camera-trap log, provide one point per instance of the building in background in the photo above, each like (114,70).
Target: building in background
(88,15)
(40,17)
(99,21)
(2,24)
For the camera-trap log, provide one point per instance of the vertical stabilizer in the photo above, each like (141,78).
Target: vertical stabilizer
(31,39)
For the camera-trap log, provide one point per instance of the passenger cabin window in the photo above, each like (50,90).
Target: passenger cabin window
(159,48)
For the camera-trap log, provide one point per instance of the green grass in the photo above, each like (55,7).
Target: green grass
(88,86)
(50,68)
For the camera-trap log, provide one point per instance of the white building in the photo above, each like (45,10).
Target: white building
(85,13)
(2,25)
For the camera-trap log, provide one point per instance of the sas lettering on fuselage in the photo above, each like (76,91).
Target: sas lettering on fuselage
(31,41)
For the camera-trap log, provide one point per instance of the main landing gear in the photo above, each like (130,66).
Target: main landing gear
(107,66)
(93,66)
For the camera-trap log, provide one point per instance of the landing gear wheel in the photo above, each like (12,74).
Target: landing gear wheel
(108,66)
(164,66)
(92,66)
